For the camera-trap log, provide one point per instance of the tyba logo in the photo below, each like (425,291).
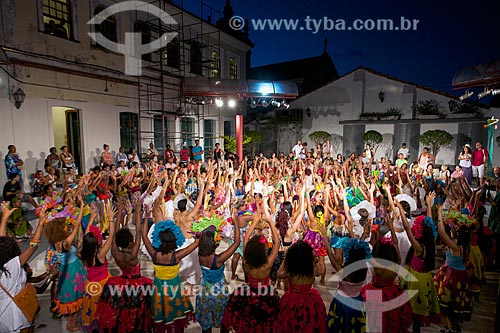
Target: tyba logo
(374,306)
(133,48)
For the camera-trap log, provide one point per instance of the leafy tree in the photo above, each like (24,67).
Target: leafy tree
(436,139)
(319,137)
(373,138)
(255,138)
(230,142)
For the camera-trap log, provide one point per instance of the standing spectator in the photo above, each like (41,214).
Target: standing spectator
(152,154)
(197,151)
(405,151)
(184,154)
(133,157)
(327,148)
(479,160)
(465,162)
(169,154)
(54,161)
(106,156)
(121,156)
(425,159)
(303,153)
(13,164)
(369,152)
(218,153)
(297,149)
(68,161)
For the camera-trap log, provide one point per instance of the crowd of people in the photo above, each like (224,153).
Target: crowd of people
(283,215)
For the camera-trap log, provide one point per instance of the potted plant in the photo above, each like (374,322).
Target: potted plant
(464,109)
(429,109)
(373,138)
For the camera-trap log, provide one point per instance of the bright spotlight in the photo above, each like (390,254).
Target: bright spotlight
(231,103)
(219,102)
(275,103)
(265,103)
(466,95)
(486,92)
(253,103)
(495,92)
(285,104)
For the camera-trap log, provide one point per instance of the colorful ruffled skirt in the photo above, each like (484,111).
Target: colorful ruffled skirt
(302,310)
(343,318)
(125,304)
(247,312)
(211,302)
(425,304)
(315,239)
(93,291)
(171,308)
(70,287)
(453,292)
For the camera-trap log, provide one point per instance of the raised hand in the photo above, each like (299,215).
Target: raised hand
(5,209)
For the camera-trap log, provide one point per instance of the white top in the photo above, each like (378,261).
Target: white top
(12,318)
(464,163)
(297,149)
(404,151)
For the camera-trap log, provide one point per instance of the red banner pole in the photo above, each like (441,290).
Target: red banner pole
(239,136)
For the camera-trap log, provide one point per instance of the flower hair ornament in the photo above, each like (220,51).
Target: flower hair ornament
(97,234)
(456,220)
(355,244)
(263,240)
(204,223)
(164,226)
(417,228)
(321,218)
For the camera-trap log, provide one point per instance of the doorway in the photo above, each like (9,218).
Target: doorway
(67,131)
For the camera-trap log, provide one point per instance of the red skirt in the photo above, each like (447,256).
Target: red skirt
(247,312)
(302,310)
(395,320)
(125,304)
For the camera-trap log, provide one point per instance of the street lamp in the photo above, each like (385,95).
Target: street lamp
(19,96)
(381,96)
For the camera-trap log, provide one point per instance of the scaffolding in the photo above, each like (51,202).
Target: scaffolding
(164,116)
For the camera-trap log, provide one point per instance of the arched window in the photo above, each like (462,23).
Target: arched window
(215,66)
(57,19)
(233,69)
(108,26)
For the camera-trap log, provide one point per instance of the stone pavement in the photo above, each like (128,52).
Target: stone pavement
(483,318)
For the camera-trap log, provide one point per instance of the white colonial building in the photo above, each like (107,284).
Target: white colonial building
(364,100)
(76,92)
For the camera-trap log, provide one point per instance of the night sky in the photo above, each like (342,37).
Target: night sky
(450,35)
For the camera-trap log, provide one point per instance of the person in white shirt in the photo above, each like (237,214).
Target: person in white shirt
(297,149)
(327,148)
(405,151)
